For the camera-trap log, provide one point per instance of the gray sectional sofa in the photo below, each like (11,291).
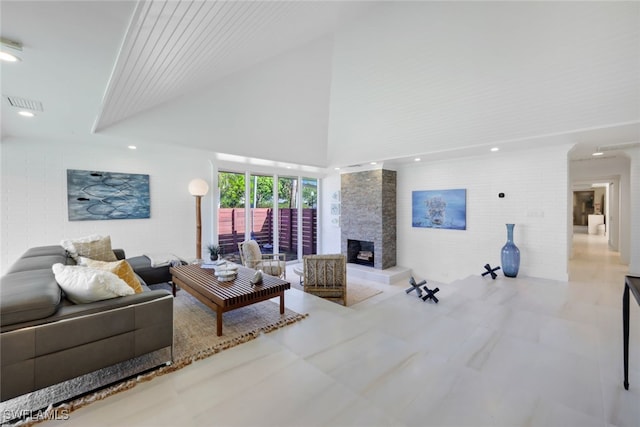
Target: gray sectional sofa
(45,339)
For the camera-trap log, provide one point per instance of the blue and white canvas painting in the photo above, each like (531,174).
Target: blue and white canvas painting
(94,195)
(440,209)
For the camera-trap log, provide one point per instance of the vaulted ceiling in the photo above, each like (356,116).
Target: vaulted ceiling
(131,71)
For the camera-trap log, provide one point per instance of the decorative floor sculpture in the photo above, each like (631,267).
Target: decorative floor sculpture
(429,293)
(416,286)
(491,271)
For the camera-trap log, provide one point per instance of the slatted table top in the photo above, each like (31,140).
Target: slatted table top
(233,293)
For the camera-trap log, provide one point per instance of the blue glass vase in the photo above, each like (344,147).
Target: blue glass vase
(510,255)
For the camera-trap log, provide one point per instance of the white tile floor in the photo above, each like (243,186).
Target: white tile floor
(509,352)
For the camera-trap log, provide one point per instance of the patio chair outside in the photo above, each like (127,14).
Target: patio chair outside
(252,257)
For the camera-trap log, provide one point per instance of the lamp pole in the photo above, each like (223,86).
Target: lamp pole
(198,188)
(198,227)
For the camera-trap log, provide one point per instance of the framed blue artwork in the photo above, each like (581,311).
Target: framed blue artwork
(94,195)
(440,209)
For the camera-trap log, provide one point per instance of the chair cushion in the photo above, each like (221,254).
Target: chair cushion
(251,253)
(271,267)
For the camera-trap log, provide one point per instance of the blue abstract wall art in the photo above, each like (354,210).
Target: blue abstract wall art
(440,209)
(94,195)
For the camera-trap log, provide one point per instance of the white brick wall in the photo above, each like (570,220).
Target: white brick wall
(535,187)
(33,209)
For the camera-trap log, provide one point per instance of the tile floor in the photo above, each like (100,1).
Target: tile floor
(509,352)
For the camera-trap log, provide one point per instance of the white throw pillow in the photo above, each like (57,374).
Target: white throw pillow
(86,284)
(95,247)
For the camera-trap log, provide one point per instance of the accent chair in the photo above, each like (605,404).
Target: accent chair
(326,276)
(271,264)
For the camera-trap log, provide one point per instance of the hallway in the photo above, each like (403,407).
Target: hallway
(594,262)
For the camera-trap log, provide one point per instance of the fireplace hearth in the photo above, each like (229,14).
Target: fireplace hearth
(360,252)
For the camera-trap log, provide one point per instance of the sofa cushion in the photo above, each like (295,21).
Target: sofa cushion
(94,247)
(86,284)
(122,269)
(45,250)
(151,275)
(28,295)
(43,262)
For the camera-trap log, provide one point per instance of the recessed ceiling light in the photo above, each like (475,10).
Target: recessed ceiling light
(7,46)
(132,147)
(7,57)
(597,154)
(26,113)
(337,169)
(374,163)
(494,149)
(417,159)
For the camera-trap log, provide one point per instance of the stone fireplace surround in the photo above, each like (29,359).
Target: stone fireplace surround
(368,213)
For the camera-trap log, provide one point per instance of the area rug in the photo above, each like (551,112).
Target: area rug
(356,292)
(194,339)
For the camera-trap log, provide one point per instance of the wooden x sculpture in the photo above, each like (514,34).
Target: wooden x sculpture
(491,271)
(415,286)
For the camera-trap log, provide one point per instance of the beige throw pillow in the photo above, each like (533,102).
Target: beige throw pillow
(121,268)
(95,247)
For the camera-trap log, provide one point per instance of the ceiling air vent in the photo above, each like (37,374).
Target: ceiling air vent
(25,104)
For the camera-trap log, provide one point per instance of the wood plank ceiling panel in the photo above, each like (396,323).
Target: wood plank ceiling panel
(174,47)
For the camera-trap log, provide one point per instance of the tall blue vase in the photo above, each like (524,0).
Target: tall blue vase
(510,255)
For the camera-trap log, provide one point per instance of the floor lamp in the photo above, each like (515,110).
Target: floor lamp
(198,188)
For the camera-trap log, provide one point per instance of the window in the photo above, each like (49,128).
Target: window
(295,204)
(288,216)
(231,218)
(309,215)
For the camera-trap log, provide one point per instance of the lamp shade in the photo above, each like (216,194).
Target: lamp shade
(198,187)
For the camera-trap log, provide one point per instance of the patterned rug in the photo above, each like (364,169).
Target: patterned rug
(194,339)
(356,292)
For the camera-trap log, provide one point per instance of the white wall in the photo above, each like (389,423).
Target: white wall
(634,204)
(329,233)
(536,189)
(424,77)
(33,209)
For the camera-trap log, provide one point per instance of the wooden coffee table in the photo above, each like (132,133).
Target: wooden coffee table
(227,296)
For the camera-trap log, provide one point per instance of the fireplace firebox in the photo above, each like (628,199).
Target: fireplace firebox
(360,252)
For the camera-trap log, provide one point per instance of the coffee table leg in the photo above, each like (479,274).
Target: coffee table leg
(219,321)
(282,303)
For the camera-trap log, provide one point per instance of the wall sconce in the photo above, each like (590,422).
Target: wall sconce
(198,188)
